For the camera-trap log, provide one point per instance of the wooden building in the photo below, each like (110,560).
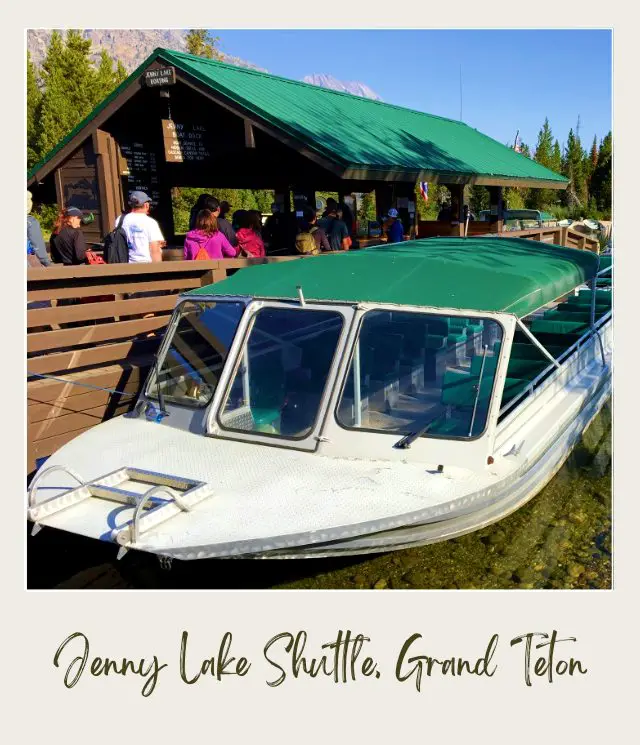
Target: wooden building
(180,120)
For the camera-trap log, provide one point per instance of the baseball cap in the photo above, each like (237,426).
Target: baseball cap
(393,212)
(73,212)
(138,198)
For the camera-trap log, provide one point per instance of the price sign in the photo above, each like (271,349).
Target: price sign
(184,142)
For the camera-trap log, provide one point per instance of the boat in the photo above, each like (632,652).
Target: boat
(347,403)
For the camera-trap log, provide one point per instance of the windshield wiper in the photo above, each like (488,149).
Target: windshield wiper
(407,440)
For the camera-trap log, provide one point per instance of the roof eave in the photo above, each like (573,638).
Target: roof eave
(393,173)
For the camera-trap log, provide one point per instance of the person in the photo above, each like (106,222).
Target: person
(449,212)
(310,226)
(144,236)
(224,226)
(347,214)
(394,227)
(68,245)
(249,236)
(335,229)
(274,232)
(35,241)
(200,204)
(237,221)
(225,208)
(207,237)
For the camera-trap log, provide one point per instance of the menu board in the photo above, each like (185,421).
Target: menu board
(184,142)
(142,169)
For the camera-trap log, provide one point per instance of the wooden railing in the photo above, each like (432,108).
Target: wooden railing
(99,325)
(560,236)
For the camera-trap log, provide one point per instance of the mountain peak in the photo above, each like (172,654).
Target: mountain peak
(324,80)
(129,46)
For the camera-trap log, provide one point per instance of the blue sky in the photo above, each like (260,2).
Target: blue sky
(511,79)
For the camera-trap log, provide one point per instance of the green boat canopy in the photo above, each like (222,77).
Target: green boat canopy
(514,275)
(363,138)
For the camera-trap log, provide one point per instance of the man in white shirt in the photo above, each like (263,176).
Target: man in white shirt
(144,236)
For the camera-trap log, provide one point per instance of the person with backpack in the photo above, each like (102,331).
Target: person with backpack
(206,240)
(336,230)
(249,236)
(311,239)
(143,235)
(36,250)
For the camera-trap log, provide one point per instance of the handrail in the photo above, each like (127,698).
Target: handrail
(145,498)
(50,469)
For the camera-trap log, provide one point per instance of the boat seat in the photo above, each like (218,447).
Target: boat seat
(459,388)
(572,316)
(512,388)
(585,302)
(601,295)
(560,341)
(490,365)
(557,327)
(601,308)
(526,369)
(529,351)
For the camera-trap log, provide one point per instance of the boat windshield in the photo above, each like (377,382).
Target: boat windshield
(282,372)
(418,373)
(198,349)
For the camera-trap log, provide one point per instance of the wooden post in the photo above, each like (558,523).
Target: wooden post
(249,139)
(496,208)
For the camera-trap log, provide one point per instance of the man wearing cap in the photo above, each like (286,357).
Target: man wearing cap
(394,227)
(144,236)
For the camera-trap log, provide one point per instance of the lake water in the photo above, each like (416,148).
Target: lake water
(560,539)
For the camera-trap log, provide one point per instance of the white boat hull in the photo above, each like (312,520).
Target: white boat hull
(253,502)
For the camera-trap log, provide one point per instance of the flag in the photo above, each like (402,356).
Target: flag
(424,190)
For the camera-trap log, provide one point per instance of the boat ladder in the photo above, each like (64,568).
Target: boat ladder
(166,497)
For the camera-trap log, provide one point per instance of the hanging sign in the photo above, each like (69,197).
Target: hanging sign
(184,142)
(161,76)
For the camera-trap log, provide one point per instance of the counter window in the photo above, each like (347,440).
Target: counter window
(415,372)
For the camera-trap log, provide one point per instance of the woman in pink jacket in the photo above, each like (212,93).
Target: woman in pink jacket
(206,241)
(250,241)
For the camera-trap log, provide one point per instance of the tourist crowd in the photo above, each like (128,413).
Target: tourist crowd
(137,238)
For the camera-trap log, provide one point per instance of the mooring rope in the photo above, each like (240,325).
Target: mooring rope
(84,385)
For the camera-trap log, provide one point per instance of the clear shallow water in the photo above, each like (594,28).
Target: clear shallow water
(560,539)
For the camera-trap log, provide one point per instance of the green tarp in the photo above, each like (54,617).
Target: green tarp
(485,274)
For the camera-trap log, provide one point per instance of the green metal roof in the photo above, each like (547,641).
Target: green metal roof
(514,275)
(353,132)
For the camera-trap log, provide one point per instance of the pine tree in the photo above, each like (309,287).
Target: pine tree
(34,103)
(69,83)
(202,44)
(541,198)
(556,158)
(601,179)
(71,88)
(576,193)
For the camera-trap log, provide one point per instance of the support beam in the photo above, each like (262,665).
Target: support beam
(249,139)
